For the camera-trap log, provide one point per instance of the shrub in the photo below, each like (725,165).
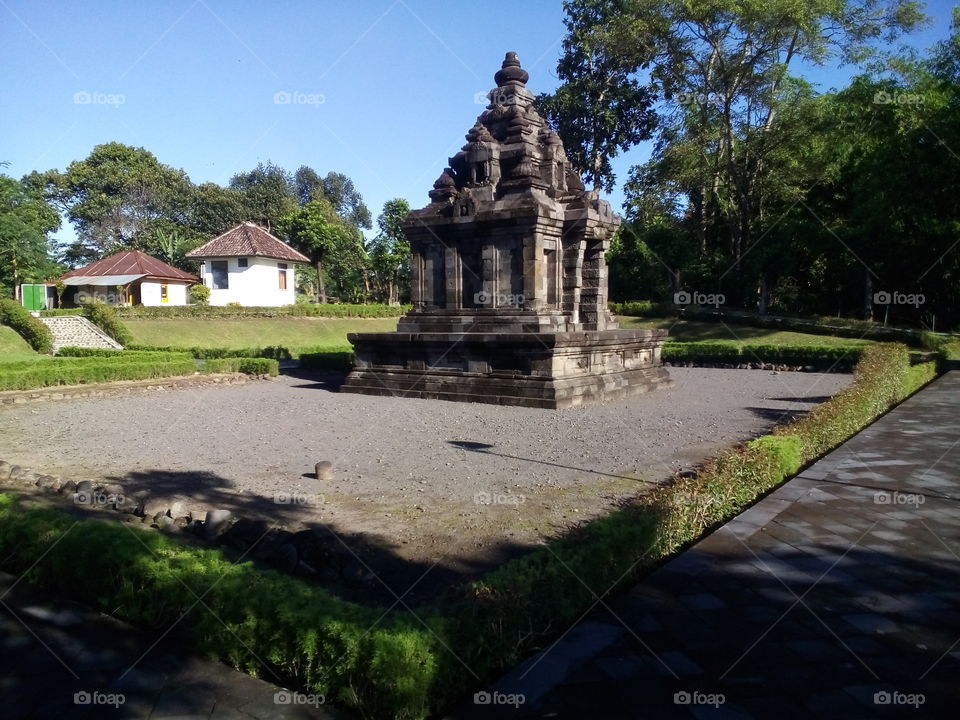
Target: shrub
(199,294)
(248,366)
(277,352)
(330,360)
(37,335)
(383,664)
(47,372)
(642,308)
(213,312)
(837,358)
(105,317)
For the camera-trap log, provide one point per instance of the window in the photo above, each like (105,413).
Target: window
(218,269)
(282,267)
(164,293)
(241,262)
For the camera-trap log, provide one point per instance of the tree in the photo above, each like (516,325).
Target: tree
(25,220)
(215,209)
(389,251)
(116,195)
(321,234)
(267,194)
(722,69)
(599,110)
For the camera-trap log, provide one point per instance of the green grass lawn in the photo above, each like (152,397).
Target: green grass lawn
(296,333)
(685,331)
(14,347)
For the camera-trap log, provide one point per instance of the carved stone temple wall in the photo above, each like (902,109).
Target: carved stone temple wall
(508,279)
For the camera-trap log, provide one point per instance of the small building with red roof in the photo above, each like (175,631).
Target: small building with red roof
(248,265)
(129,277)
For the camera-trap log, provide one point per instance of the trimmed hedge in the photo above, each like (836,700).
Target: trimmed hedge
(277,352)
(330,360)
(642,308)
(839,358)
(214,312)
(383,665)
(105,317)
(47,372)
(249,366)
(37,335)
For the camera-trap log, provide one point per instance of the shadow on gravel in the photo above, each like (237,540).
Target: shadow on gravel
(485,448)
(362,567)
(777,416)
(329,380)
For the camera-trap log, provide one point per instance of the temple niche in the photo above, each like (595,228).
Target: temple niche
(509,279)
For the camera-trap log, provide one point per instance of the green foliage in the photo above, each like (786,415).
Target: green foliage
(25,221)
(115,196)
(384,665)
(299,310)
(246,365)
(917,376)
(30,328)
(328,360)
(389,252)
(199,294)
(205,353)
(46,372)
(787,449)
(125,354)
(837,358)
(642,308)
(105,317)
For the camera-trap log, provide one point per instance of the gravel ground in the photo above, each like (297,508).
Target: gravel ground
(462,485)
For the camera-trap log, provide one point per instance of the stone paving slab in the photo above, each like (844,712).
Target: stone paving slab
(55,654)
(838,595)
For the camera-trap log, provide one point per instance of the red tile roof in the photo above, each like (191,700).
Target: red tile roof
(247,240)
(132,262)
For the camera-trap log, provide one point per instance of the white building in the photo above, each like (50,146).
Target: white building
(248,265)
(129,277)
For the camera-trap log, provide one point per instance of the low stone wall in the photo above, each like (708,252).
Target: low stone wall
(309,553)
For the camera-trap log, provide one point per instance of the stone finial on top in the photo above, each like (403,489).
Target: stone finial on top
(511,72)
(444,188)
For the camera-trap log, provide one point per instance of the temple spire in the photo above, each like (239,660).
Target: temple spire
(511,72)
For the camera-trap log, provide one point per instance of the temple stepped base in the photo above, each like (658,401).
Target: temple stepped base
(543,370)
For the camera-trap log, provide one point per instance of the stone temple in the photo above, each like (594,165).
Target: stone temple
(508,279)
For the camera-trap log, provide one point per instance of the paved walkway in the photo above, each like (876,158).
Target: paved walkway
(60,660)
(838,595)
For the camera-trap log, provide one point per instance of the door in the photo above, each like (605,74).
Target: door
(34,296)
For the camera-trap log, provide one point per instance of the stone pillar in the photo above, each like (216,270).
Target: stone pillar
(453,278)
(416,278)
(488,275)
(533,272)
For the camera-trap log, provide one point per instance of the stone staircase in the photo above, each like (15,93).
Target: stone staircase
(74,331)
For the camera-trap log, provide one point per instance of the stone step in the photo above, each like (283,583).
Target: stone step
(75,331)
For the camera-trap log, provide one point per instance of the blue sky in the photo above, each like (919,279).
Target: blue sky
(381,90)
